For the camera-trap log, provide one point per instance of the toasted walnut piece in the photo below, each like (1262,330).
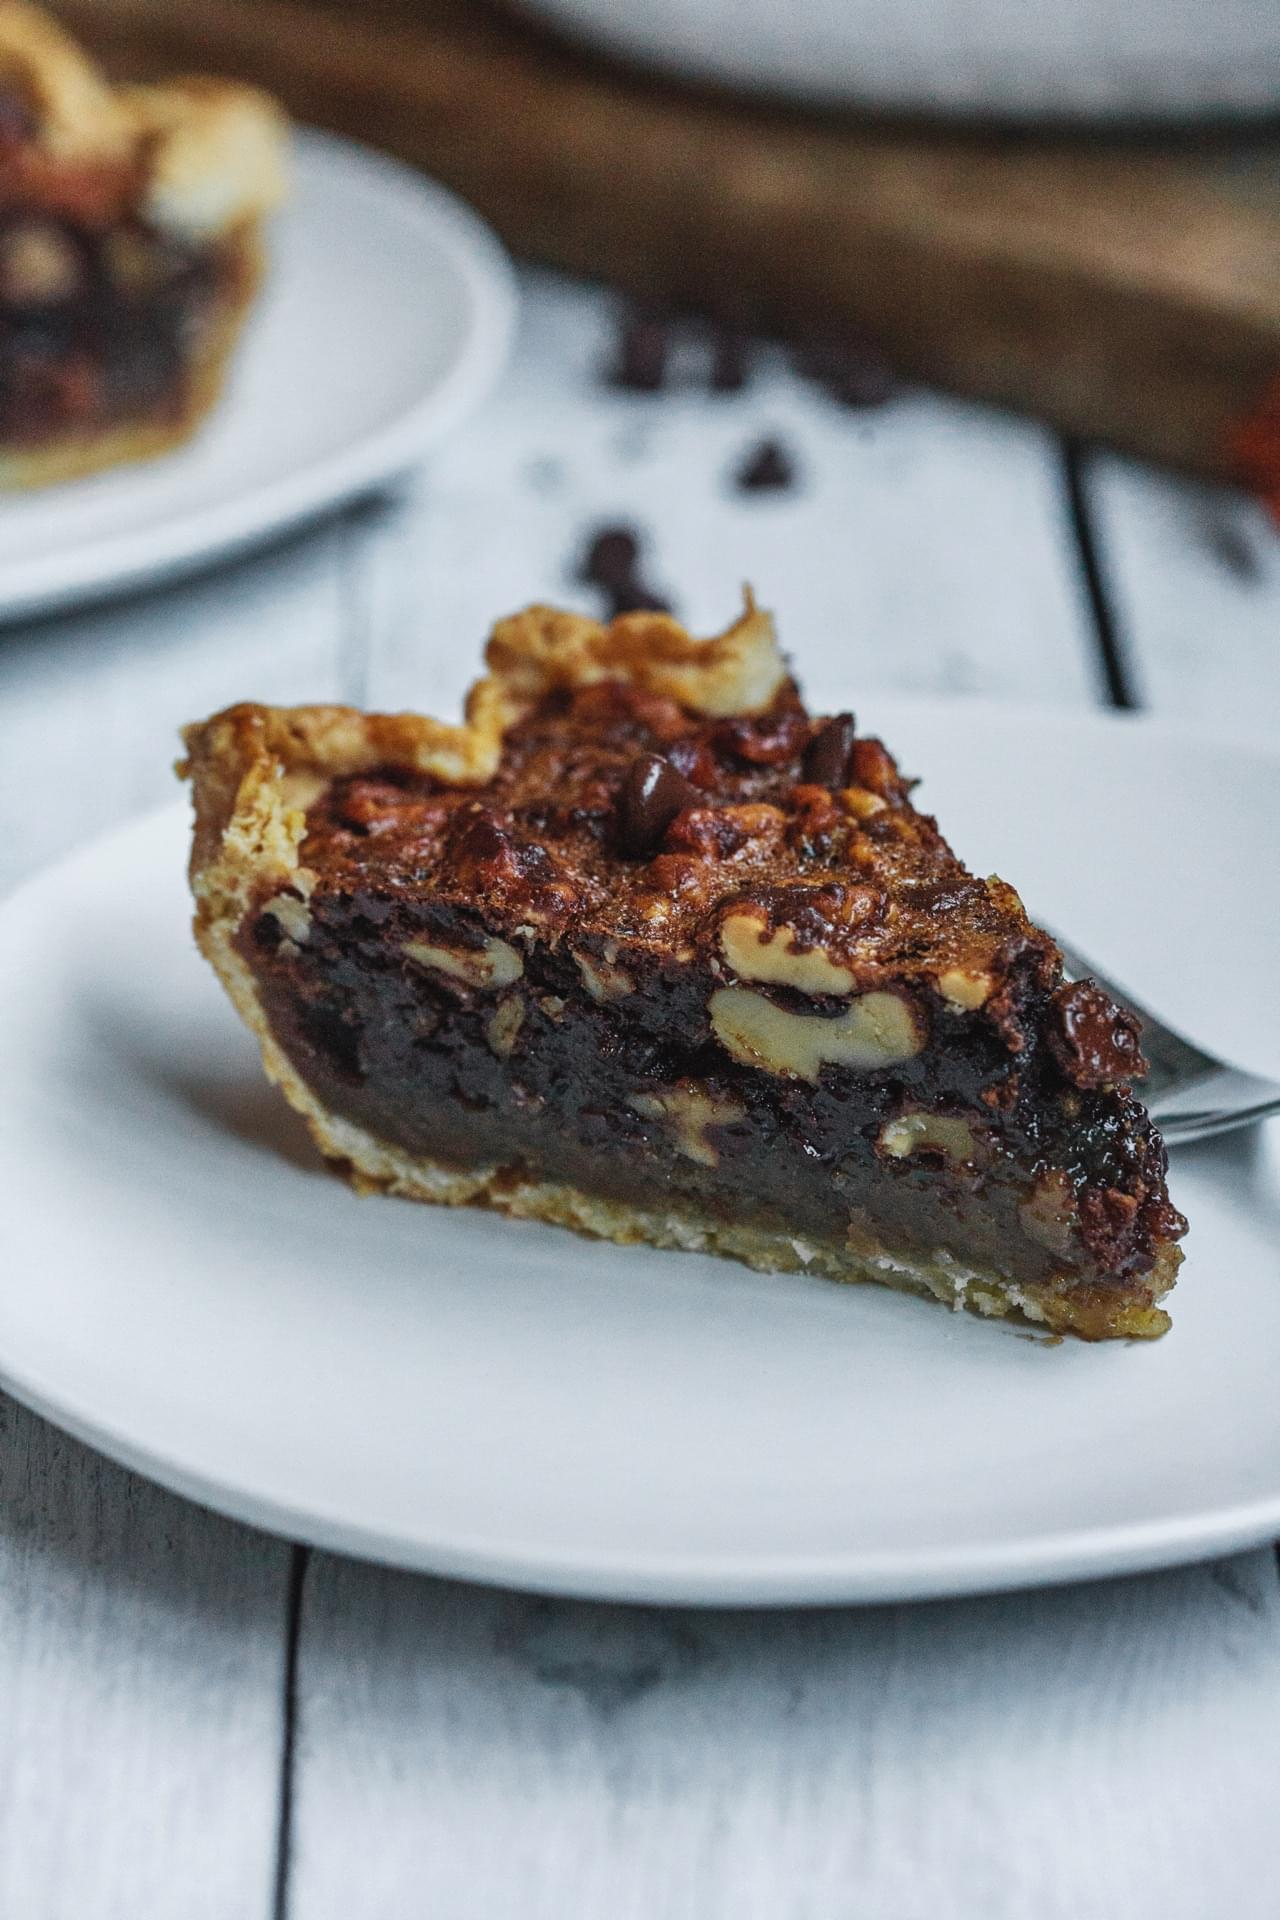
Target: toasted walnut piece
(505,1022)
(756,953)
(1050,1216)
(602,979)
(876,1030)
(938,1132)
(493,964)
(291,914)
(964,988)
(675,872)
(691,1108)
(871,765)
(861,803)
(38,265)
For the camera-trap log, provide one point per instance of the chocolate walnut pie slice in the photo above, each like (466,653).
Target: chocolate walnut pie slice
(643,949)
(130,251)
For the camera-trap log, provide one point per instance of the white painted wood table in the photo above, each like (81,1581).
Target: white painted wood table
(196,1720)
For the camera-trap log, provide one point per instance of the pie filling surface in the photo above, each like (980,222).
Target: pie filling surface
(129,250)
(645,949)
(119,337)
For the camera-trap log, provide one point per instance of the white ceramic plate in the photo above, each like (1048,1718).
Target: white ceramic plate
(185,1287)
(1079,59)
(387,315)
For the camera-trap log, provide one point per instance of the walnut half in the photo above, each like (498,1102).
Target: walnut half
(491,965)
(772,956)
(690,1108)
(937,1132)
(876,1030)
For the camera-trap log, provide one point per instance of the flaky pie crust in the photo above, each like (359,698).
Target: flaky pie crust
(194,156)
(250,756)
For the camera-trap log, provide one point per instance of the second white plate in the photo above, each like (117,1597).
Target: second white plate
(186,1287)
(387,314)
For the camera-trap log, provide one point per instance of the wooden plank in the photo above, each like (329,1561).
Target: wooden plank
(91,701)
(141,1658)
(924,548)
(142,1642)
(1073,1755)
(1192,575)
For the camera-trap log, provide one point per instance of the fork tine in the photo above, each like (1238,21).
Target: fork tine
(1189,1093)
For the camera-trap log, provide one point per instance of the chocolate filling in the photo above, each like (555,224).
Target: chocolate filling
(111,336)
(574,1090)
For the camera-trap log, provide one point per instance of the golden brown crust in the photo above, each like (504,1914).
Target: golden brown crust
(195,156)
(78,115)
(243,749)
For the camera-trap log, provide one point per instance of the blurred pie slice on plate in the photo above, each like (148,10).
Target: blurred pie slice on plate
(130,251)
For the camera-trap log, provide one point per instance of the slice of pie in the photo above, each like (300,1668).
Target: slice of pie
(130,251)
(643,949)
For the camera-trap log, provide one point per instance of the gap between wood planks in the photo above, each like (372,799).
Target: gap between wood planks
(1119,686)
(299,1560)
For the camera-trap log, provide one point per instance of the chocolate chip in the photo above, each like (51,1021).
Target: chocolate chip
(611,562)
(826,758)
(643,349)
(767,468)
(635,597)
(1095,1042)
(853,372)
(610,558)
(730,360)
(651,795)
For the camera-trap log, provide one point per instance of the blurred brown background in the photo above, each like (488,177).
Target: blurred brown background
(1125,289)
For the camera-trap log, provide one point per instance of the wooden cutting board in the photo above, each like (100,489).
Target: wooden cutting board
(1123,294)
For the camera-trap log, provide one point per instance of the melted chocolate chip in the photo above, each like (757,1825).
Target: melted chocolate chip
(1094,1041)
(610,559)
(611,562)
(768,468)
(635,597)
(651,795)
(826,758)
(854,373)
(644,346)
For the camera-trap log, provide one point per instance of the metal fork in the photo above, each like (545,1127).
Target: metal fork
(1188,1093)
